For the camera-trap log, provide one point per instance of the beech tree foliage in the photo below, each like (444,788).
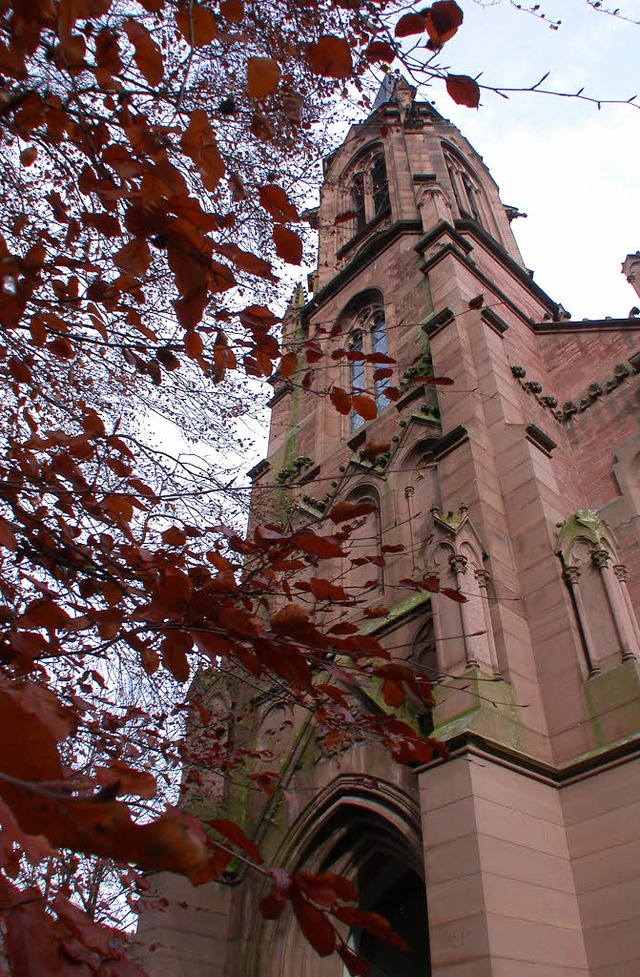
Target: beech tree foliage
(153,157)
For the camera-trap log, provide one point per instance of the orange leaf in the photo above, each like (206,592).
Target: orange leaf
(374,448)
(193,344)
(341,400)
(444,18)
(134,258)
(199,143)
(130,781)
(288,365)
(196,24)
(365,406)
(330,57)
(174,654)
(464,90)
(28,156)
(288,245)
(275,202)
(147,54)
(410,24)
(263,77)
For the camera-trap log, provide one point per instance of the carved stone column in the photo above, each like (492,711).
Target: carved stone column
(619,611)
(472,640)
(483,576)
(572,577)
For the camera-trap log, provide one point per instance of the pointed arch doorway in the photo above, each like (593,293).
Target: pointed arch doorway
(380,851)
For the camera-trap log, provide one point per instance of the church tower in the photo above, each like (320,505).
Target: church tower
(513,478)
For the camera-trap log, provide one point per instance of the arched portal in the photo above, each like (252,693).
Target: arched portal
(377,847)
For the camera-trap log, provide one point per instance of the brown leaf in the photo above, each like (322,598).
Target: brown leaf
(444,18)
(197,24)
(331,57)
(454,595)
(275,202)
(464,90)
(134,258)
(343,511)
(193,344)
(140,783)
(288,245)
(263,77)
(288,365)
(28,156)
(477,302)
(147,54)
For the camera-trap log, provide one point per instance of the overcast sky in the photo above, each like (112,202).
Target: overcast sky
(573,169)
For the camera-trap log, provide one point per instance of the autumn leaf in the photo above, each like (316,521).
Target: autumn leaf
(134,258)
(365,406)
(29,156)
(233,833)
(444,18)
(464,90)
(343,511)
(232,10)
(341,400)
(410,24)
(288,245)
(147,54)
(477,302)
(330,56)
(263,77)
(275,201)
(288,365)
(315,926)
(325,590)
(380,51)
(197,24)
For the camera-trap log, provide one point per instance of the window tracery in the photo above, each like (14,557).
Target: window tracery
(368,335)
(368,188)
(465,188)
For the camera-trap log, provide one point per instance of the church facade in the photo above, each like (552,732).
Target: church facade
(518,483)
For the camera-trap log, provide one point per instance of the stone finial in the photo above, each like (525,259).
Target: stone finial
(631,269)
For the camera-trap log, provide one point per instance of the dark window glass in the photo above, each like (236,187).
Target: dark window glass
(357,196)
(472,198)
(380,185)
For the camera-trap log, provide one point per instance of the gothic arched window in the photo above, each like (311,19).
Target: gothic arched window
(368,187)
(368,336)
(465,188)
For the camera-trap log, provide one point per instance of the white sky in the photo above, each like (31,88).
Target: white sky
(573,169)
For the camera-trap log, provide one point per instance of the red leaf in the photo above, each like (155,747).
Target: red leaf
(410,24)
(237,837)
(194,347)
(444,18)
(341,400)
(351,510)
(464,90)
(477,302)
(288,245)
(315,926)
(271,906)
(380,51)
(454,595)
(291,619)
(263,77)
(325,547)
(374,448)
(331,57)
(356,966)
(174,654)
(7,535)
(232,10)
(325,590)
(141,783)
(28,156)
(43,613)
(275,202)
(393,693)
(174,537)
